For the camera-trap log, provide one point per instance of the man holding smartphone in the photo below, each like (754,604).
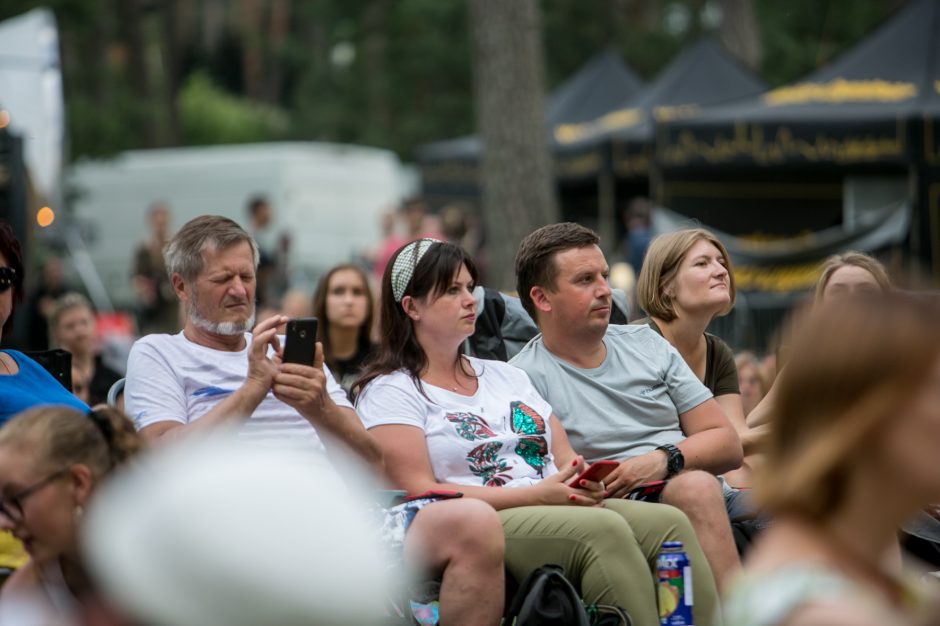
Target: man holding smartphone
(622,392)
(219,372)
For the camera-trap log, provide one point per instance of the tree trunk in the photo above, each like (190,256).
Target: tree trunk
(375,68)
(739,31)
(171,75)
(278,31)
(252,49)
(518,193)
(138,70)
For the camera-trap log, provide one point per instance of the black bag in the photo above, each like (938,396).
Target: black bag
(546,598)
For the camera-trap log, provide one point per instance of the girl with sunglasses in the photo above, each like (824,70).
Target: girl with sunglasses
(51,460)
(23,382)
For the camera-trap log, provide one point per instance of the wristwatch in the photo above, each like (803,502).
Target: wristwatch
(675,461)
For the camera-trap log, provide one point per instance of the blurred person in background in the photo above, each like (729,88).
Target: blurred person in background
(73,329)
(750,380)
(295,303)
(685,282)
(843,276)
(41,303)
(51,461)
(851,456)
(259,227)
(157,309)
(343,305)
(637,220)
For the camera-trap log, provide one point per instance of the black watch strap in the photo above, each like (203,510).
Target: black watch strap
(675,461)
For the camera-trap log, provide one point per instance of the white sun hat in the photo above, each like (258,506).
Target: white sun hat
(222,533)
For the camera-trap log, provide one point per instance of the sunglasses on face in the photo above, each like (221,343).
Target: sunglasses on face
(7,278)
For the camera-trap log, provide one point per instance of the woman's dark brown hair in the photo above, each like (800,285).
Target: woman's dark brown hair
(399,348)
(10,248)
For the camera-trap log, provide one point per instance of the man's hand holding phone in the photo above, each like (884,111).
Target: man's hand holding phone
(261,368)
(303,387)
(634,472)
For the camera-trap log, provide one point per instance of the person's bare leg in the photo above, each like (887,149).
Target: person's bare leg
(698,495)
(464,540)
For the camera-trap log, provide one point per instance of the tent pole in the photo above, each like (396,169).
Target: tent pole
(607,211)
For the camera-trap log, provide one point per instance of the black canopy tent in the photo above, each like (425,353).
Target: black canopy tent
(612,153)
(777,162)
(449,169)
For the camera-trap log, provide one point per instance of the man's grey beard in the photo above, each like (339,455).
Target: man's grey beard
(220,328)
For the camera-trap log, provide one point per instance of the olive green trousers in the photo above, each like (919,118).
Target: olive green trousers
(609,553)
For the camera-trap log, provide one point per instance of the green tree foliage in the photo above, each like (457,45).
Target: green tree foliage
(391,74)
(211,116)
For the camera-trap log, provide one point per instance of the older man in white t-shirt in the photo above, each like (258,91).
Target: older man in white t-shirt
(219,373)
(623,393)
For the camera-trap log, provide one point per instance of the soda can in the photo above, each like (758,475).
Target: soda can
(674,585)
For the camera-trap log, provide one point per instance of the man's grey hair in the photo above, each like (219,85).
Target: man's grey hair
(183,255)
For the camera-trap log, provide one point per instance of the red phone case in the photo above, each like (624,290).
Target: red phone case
(646,490)
(596,472)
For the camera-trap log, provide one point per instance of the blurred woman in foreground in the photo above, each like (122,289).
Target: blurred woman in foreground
(51,460)
(851,456)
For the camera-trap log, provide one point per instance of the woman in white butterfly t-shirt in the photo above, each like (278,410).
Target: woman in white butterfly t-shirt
(447,421)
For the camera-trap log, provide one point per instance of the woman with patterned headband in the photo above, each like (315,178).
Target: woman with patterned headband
(449,421)
(51,460)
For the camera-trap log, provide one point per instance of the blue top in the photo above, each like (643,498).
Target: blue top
(32,386)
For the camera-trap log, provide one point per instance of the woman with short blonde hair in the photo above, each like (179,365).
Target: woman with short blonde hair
(685,282)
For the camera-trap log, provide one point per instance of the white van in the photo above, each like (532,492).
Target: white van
(328,197)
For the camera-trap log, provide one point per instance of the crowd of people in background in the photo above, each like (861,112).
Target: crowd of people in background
(808,463)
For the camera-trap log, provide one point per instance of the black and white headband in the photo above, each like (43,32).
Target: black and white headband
(405,263)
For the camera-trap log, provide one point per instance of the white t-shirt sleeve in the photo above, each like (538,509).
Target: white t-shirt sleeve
(337,393)
(152,393)
(685,389)
(392,399)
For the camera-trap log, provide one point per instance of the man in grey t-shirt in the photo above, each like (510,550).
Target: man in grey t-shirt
(622,392)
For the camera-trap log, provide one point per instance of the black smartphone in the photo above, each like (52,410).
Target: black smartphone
(300,340)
